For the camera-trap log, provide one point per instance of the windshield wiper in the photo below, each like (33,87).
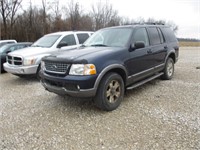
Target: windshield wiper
(103,45)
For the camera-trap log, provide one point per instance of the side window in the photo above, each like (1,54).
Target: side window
(154,36)
(141,35)
(69,40)
(82,37)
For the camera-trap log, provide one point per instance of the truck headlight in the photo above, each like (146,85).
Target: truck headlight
(29,61)
(82,69)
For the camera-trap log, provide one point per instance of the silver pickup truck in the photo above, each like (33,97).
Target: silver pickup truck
(27,61)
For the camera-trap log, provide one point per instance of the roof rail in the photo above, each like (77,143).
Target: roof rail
(154,23)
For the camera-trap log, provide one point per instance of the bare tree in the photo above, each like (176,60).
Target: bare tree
(104,15)
(73,13)
(8,12)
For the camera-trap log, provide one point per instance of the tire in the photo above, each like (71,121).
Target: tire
(110,92)
(168,70)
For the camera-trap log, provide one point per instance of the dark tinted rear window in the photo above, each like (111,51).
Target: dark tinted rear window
(154,36)
(82,37)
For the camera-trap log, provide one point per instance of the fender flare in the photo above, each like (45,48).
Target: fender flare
(106,70)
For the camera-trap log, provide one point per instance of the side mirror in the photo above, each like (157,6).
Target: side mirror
(137,45)
(62,45)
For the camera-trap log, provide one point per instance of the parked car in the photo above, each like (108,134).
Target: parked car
(5,49)
(27,61)
(110,61)
(3,42)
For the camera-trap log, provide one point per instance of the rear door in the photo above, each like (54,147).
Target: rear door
(158,46)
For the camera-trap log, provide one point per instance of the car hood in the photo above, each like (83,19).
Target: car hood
(30,51)
(81,55)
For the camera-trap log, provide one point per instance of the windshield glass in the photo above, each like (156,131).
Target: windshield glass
(46,41)
(117,37)
(3,48)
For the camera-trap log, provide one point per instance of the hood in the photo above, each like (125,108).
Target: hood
(30,51)
(81,55)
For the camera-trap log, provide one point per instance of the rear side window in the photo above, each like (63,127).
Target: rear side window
(141,35)
(69,40)
(82,37)
(169,35)
(154,36)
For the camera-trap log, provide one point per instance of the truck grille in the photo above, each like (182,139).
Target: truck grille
(14,60)
(56,67)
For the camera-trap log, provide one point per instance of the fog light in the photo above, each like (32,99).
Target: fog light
(78,87)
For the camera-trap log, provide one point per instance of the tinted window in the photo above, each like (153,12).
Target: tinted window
(82,37)
(141,35)
(168,34)
(69,40)
(154,36)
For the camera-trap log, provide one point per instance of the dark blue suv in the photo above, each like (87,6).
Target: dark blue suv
(110,61)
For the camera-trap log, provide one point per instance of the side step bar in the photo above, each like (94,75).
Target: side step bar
(143,81)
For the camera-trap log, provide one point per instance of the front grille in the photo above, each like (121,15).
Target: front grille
(14,60)
(56,67)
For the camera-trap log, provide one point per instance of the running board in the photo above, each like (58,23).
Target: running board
(144,81)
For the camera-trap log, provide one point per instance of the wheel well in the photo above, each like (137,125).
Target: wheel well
(121,72)
(172,55)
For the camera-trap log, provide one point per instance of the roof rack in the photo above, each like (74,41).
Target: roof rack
(154,23)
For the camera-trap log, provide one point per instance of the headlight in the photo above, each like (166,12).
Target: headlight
(82,69)
(29,61)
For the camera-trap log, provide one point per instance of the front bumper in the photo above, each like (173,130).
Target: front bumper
(20,69)
(75,86)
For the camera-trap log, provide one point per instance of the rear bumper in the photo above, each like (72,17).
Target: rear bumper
(20,69)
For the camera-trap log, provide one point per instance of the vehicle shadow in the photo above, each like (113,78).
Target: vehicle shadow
(87,104)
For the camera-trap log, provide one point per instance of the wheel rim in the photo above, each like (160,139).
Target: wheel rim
(113,91)
(170,69)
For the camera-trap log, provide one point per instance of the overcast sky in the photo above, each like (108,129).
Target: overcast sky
(184,13)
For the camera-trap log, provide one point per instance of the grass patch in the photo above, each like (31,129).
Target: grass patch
(189,44)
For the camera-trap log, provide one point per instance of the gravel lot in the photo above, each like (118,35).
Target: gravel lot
(158,115)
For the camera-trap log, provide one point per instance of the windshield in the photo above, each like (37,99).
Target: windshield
(46,41)
(4,48)
(117,37)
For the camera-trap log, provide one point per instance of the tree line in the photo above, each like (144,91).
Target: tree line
(29,24)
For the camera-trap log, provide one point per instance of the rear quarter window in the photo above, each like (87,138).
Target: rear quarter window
(82,37)
(169,35)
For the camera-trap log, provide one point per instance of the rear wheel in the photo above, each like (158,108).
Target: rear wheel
(110,92)
(168,70)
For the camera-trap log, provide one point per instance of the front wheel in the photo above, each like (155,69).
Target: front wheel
(168,70)
(110,92)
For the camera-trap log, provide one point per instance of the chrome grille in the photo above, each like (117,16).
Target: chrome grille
(56,67)
(14,60)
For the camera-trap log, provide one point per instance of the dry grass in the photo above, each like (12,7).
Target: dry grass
(189,44)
